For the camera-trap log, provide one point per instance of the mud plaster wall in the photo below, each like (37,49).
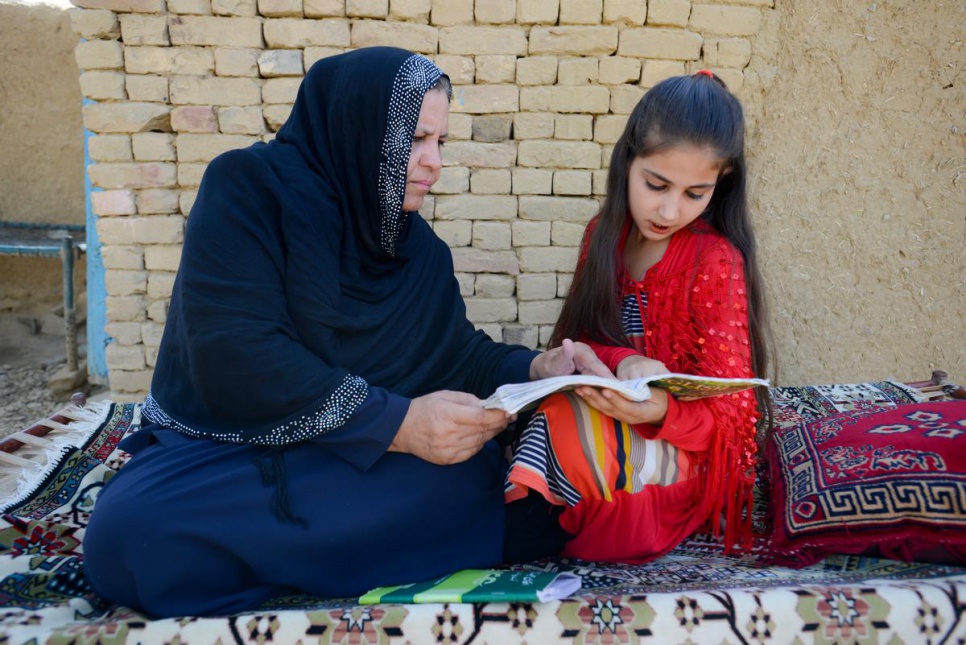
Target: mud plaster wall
(858,158)
(42,143)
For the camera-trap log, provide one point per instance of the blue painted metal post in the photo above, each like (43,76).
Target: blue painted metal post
(97,338)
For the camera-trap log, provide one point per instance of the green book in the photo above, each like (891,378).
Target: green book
(480,585)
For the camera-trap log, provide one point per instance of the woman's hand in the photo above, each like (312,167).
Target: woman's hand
(614,405)
(639,366)
(448,427)
(569,358)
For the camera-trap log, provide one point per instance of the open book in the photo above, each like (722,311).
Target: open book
(519,396)
(480,585)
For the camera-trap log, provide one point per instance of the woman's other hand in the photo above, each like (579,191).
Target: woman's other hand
(612,404)
(638,367)
(448,427)
(569,358)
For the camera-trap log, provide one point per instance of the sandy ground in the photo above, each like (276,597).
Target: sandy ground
(32,348)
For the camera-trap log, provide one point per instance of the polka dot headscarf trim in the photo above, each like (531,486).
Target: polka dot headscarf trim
(414,78)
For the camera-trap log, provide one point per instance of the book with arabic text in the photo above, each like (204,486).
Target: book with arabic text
(520,396)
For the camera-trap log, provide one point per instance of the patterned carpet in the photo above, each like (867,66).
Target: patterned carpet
(693,595)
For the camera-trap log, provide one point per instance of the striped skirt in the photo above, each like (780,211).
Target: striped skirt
(569,451)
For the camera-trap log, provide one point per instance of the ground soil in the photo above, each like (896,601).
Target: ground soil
(32,349)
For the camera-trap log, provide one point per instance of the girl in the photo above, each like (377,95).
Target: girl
(666,282)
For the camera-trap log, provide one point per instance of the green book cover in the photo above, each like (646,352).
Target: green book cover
(480,585)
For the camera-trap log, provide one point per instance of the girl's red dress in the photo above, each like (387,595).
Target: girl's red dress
(633,494)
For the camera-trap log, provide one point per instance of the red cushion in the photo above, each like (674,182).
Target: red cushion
(888,483)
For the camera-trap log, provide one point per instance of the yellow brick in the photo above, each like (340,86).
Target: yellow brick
(484,310)
(559,154)
(479,155)
(628,12)
(160,284)
(158,229)
(132,175)
(494,286)
(532,181)
(113,202)
(492,236)
(290,33)
(123,6)
(102,84)
(623,98)
(655,71)
(472,260)
(187,200)
(542,311)
(190,174)
(122,257)
(242,8)
(153,146)
(668,13)
(571,41)
(194,61)
(460,127)
(550,209)
(477,41)
(194,118)
(99,54)
(574,127)
(92,24)
(733,78)
(276,115)
(581,12)
(124,307)
(312,55)
(205,147)
(127,117)
(546,259)
(452,181)
(158,201)
(567,233)
(486,99)
(533,125)
(451,12)
(490,181)
(616,70)
(151,88)
(280,8)
(190,7)
(140,29)
(323,8)
(417,38)
(192,90)
(122,357)
(496,69)
(109,147)
(571,182)
(367,8)
(151,332)
(537,70)
(531,12)
(660,43)
(495,11)
(608,127)
(730,52)
(412,10)
(725,21)
(280,62)
(537,286)
(215,31)
(460,69)
(600,182)
(241,120)
(530,233)
(577,71)
(455,233)
(488,207)
(591,99)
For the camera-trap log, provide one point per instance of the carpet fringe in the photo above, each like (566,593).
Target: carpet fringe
(84,421)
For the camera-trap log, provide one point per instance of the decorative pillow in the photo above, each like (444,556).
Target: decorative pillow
(882,482)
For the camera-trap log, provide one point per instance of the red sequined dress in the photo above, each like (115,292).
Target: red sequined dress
(633,493)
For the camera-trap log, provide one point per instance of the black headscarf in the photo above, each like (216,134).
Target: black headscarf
(304,290)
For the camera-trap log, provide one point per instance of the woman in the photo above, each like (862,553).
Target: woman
(314,422)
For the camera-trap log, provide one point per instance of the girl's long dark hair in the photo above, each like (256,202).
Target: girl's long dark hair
(696,110)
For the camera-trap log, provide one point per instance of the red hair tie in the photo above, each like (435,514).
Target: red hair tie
(706,72)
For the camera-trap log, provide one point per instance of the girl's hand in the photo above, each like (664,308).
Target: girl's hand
(630,412)
(569,358)
(639,366)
